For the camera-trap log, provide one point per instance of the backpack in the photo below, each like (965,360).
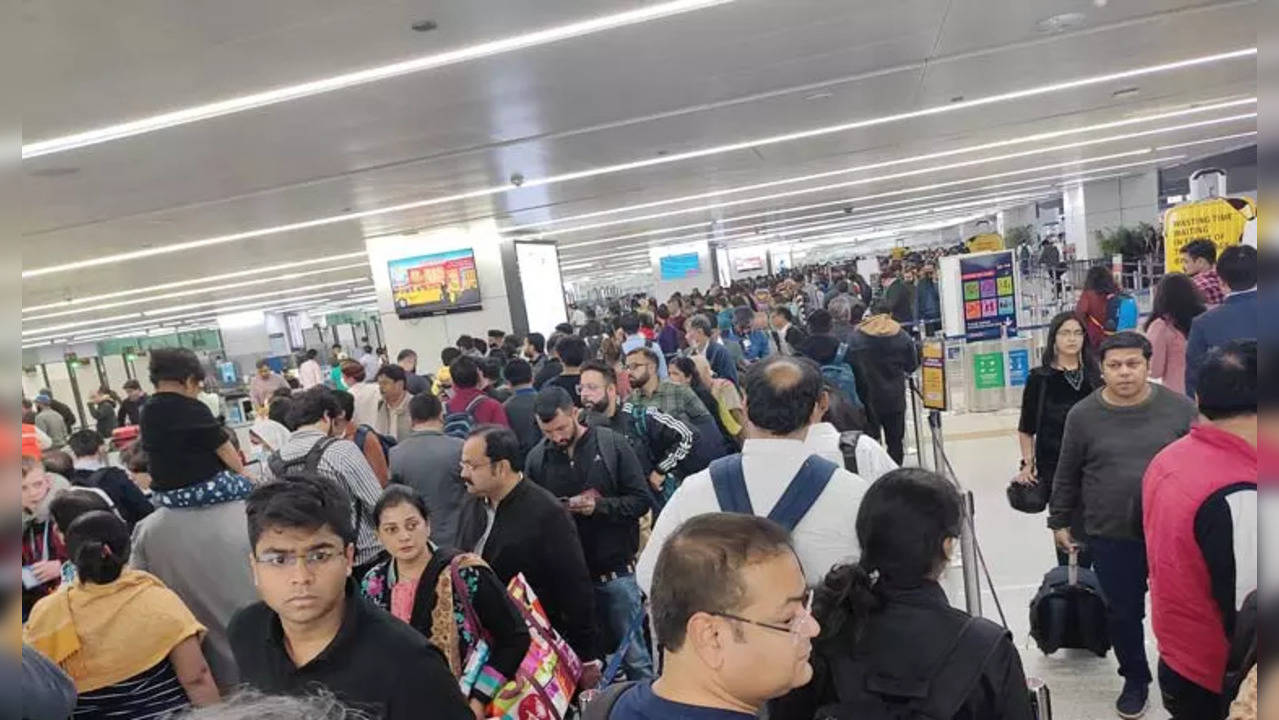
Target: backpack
(1243,650)
(386,441)
(1121,312)
(601,706)
(1069,611)
(460,424)
(938,692)
(606,446)
(310,464)
(848,446)
(839,373)
(799,497)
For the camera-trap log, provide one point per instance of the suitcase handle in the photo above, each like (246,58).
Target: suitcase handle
(1073,567)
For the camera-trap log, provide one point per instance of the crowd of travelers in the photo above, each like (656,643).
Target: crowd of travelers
(683,509)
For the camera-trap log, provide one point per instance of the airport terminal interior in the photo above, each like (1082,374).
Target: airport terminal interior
(297,190)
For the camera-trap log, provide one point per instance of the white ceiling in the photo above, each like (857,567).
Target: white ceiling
(729,73)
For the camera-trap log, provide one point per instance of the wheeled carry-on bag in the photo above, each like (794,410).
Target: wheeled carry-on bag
(1069,611)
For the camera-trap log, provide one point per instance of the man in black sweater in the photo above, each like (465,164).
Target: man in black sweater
(595,473)
(519,527)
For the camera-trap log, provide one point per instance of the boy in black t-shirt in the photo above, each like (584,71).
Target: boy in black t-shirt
(185,443)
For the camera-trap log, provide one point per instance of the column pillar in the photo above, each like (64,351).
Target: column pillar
(1103,205)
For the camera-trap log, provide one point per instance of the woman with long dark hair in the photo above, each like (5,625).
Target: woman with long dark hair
(1099,287)
(889,634)
(1177,303)
(1066,375)
(683,371)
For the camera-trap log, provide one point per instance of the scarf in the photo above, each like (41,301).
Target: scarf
(225,487)
(105,634)
(57,484)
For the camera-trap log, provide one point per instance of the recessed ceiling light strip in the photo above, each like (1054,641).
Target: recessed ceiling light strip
(909,173)
(565,177)
(292,264)
(1036,137)
(361,77)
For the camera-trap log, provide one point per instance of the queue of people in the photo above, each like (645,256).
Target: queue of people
(715,478)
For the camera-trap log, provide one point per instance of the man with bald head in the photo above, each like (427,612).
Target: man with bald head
(775,475)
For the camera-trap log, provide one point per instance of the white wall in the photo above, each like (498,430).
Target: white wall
(1108,204)
(428,335)
(663,289)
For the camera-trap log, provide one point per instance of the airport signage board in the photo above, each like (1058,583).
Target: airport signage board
(933,374)
(1221,220)
(989,296)
(988,370)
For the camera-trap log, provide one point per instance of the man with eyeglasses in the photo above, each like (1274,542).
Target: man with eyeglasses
(313,629)
(519,527)
(733,613)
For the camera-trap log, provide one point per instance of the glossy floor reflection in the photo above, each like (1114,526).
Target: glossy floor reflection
(1018,549)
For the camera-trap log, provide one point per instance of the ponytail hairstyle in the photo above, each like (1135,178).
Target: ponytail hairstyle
(98,545)
(903,523)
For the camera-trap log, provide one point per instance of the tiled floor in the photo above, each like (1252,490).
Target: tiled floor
(1018,549)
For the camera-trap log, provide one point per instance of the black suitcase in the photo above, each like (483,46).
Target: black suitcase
(1069,611)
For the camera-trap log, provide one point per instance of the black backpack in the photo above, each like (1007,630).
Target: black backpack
(601,706)
(1069,611)
(310,464)
(386,441)
(460,424)
(606,444)
(848,446)
(937,692)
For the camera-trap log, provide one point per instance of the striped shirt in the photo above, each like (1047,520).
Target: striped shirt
(153,693)
(344,463)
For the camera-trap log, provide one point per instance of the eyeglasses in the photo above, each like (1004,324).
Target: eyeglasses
(310,559)
(795,628)
(476,466)
(638,366)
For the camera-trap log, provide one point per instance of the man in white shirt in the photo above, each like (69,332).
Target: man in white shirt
(310,373)
(783,400)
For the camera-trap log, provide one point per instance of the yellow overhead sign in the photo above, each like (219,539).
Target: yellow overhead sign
(1222,220)
(985,242)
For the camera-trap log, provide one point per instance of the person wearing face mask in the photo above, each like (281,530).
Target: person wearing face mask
(885,620)
(422,581)
(596,475)
(1110,438)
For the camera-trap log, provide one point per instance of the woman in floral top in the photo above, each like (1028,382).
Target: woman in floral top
(452,598)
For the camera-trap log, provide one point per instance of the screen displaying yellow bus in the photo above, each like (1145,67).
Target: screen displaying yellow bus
(439,283)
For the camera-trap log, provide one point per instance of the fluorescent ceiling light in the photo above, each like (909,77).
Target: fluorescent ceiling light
(902,191)
(608,169)
(96,299)
(203,291)
(238,305)
(1035,137)
(908,173)
(361,77)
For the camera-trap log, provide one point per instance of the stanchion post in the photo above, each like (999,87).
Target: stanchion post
(913,392)
(967,531)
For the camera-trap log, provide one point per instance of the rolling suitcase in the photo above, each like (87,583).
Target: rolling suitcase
(1069,611)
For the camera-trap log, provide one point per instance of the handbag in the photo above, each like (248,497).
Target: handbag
(1032,499)
(549,673)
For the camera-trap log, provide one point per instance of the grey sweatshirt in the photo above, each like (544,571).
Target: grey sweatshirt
(1104,454)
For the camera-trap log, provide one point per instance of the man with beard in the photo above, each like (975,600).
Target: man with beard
(678,401)
(596,475)
(661,442)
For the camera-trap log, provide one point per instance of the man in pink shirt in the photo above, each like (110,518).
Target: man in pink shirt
(1199,508)
(468,397)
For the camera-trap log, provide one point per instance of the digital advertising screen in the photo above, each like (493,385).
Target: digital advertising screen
(749,264)
(990,295)
(433,284)
(678,267)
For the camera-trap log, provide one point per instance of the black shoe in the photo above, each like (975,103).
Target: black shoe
(1134,700)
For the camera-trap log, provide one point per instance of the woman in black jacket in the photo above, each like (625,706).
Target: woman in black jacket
(891,644)
(1067,375)
(451,597)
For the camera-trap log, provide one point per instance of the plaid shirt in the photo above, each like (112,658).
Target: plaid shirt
(673,399)
(1209,284)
